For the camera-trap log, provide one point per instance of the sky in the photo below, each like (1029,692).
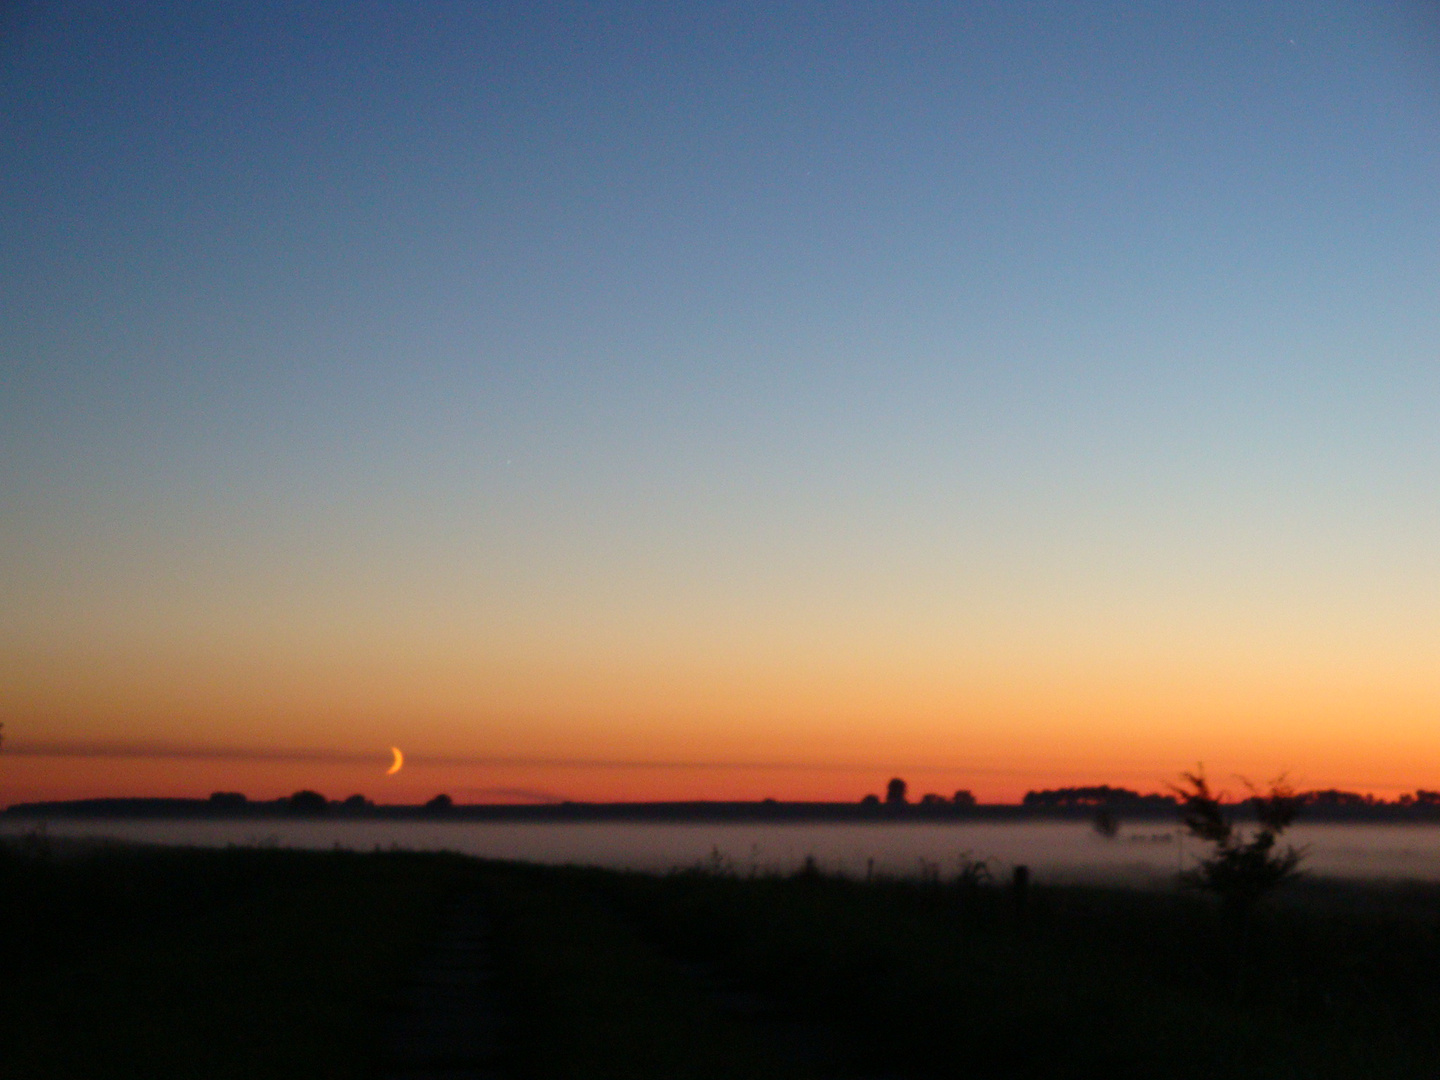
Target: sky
(711,400)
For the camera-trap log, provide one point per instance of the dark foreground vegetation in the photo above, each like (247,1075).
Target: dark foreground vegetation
(151,962)
(141,962)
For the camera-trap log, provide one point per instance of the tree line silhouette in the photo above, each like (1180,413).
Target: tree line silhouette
(1106,805)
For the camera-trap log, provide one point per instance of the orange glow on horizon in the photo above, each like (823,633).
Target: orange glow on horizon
(38,777)
(803,724)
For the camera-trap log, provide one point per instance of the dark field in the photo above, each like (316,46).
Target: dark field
(137,962)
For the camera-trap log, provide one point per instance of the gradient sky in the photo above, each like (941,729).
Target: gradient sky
(717,400)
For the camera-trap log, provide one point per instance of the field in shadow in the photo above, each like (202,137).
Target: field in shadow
(266,963)
(245,963)
(905,978)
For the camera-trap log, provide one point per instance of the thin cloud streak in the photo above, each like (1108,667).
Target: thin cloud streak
(198,753)
(381,757)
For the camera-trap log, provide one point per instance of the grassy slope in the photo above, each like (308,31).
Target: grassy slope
(253,963)
(592,1000)
(932,981)
(175,963)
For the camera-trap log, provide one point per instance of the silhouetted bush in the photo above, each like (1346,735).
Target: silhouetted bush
(972,873)
(1239,871)
(1106,823)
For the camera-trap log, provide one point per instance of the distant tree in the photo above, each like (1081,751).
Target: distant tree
(870,800)
(356,802)
(895,792)
(1095,795)
(1239,871)
(227,800)
(963,798)
(440,803)
(308,802)
(1331,797)
(932,799)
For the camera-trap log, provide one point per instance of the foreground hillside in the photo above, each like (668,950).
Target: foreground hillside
(267,963)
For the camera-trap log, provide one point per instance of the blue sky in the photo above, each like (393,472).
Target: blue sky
(649,334)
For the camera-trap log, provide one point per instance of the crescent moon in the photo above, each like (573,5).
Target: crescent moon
(399,761)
